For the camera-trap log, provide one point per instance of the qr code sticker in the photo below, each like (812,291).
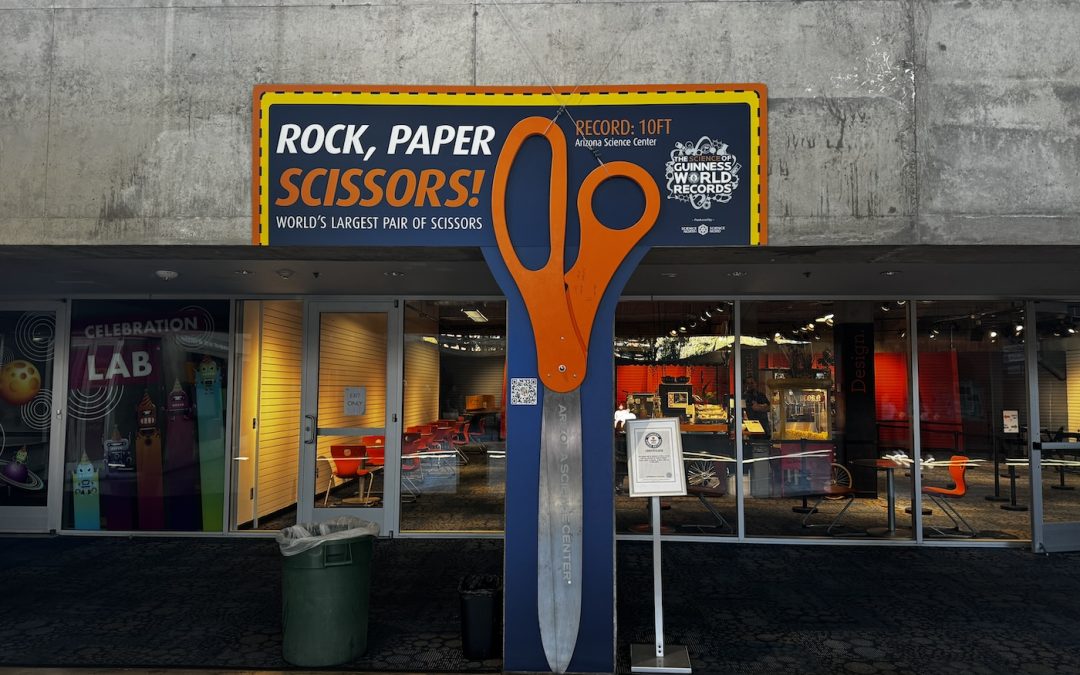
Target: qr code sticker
(522,391)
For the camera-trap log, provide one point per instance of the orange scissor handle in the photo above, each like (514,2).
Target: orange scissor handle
(603,249)
(560,351)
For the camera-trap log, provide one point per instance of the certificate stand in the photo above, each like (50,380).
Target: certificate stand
(656,658)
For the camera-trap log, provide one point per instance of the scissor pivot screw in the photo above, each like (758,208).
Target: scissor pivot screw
(562,368)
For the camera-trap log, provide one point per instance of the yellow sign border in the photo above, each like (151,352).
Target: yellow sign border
(265,96)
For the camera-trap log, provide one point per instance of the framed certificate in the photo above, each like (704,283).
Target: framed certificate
(654,456)
(1010,421)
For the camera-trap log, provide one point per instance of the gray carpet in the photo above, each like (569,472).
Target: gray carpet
(203,602)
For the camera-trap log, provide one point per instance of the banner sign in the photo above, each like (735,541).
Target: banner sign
(379,166)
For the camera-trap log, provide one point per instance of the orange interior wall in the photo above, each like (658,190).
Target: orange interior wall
(939,400)
(635,379)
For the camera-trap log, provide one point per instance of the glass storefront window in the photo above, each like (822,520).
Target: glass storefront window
(453,451)
(973,418)
(27,349)
(266,459)
(1059,408)
(825,388)
(147,403)
(674,359)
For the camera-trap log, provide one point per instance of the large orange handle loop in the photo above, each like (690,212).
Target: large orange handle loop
(603,249)
(560,351)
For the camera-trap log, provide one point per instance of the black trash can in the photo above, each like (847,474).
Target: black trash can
(481,616)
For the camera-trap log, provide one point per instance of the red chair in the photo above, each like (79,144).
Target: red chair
(941,496)
(411,447)
(376,450)
(460,435)
(347,461)
(442,437)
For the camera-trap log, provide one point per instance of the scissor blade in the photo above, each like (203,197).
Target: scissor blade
(559,555)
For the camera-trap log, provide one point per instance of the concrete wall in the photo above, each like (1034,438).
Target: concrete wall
(891,121)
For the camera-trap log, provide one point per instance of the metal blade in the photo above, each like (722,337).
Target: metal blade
(559,555)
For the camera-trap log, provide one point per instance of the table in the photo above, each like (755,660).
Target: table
(888,466)
(364,498)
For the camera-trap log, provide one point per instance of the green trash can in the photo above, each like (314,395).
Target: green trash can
(325,591)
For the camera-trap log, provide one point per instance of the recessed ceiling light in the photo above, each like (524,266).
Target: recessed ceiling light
(889,273)
(394,274)
(166,275)
(669,275)
(243,272)
(285,272)
(737,273)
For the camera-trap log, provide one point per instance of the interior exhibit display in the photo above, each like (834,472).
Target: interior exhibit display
(26,371)
(210,414)
(139,455)
(803,433)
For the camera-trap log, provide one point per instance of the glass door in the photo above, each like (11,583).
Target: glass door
(1055,451)
(350,426)
(31,421)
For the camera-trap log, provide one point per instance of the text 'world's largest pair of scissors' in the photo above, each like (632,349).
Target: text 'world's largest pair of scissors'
(562,306)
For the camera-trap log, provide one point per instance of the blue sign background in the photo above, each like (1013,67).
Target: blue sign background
(728,123)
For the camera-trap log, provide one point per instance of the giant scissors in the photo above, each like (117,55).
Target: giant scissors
(562,306)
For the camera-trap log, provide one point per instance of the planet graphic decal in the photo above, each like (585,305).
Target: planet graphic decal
(20,382)
(15,473)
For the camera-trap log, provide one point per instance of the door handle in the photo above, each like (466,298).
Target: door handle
(311,429)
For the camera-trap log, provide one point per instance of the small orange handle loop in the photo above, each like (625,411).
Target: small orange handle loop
(602,248)
(562,306)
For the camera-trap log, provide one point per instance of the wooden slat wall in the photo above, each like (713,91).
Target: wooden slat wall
(1055,394)
(279,404)
(474,375)
(1072,385)
(248,434)
(352,353)
(421,396)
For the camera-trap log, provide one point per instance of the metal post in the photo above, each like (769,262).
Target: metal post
(736,428)
(655,658)
(658,586)
(916,422)
(1031,371)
